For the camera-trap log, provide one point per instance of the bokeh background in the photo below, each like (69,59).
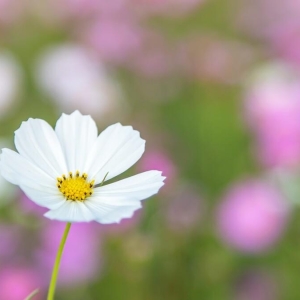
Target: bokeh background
(214,88)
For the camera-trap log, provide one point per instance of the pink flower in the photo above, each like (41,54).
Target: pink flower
(10,11)
(158,160)
(81,259)
(285,42)
(262,17)
(276,23)
(18,282)
(114,39)
(252,216)
(272,110)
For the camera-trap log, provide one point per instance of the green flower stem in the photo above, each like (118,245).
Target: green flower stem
(57,262)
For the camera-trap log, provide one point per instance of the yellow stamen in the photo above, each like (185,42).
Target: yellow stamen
(75,188)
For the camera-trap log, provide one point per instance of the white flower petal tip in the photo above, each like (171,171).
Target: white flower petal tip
(120,147)
(61,169)
(119,214)
(116,201)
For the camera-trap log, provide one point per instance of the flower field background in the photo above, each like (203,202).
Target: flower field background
(214,88)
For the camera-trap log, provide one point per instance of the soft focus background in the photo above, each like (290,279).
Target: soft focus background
(214,88)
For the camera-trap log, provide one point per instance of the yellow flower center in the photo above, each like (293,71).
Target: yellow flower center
(75,187)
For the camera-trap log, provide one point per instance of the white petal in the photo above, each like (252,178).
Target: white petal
(51,200)
(116,149)
(110,211)
(121,212)
(19,170)
(71,211)
(37,141)
(35,183)
(77,134)
(134,188)
(119,200)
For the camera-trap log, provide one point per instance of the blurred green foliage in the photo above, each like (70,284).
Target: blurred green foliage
(211,147)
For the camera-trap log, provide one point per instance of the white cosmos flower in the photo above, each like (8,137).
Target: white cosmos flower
(63,169)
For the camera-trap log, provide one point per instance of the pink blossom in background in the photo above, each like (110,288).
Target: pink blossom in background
(262,17)
(276,23)
(272,110)
(18,282)
(256,285)
(284,40)
(252,216)
(115,40)
(10,11)
(159,160)
(185,209)
(81,261)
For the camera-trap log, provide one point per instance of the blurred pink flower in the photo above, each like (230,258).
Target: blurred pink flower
(17,283)
(82,258)
(159,160)
(252,216)
(115,39)
(256,285)
(261,17)
(10,11)
(284,41)
(272,110)
(276,23)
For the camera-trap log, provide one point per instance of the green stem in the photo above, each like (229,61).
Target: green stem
(57,262)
